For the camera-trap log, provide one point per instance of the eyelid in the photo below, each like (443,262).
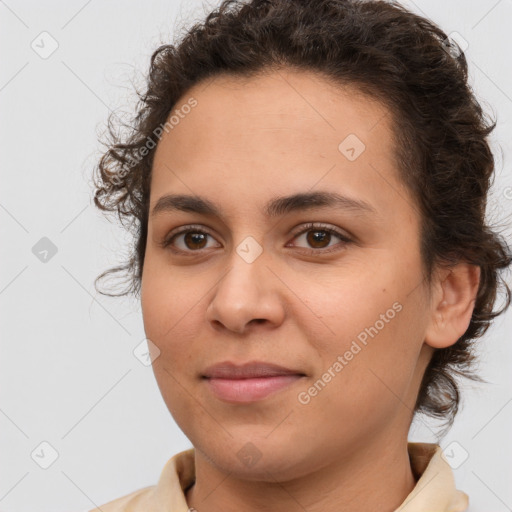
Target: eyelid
(188,227)
(320,226)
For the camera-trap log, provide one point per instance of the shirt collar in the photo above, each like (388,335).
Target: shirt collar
(435,486)
(434,490)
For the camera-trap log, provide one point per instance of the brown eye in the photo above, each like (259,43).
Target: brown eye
(193,240)
(188,240)
(319,237)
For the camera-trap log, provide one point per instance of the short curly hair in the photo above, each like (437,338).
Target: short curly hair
(395,56)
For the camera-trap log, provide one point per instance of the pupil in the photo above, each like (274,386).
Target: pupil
(318,236)
(195,238)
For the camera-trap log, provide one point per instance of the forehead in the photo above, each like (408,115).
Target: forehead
(279,130)
(283,99)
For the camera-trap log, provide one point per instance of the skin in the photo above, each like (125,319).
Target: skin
(244,143)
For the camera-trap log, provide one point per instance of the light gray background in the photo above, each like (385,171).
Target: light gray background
(67,369)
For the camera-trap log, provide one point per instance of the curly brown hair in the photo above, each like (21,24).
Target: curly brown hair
(401,59)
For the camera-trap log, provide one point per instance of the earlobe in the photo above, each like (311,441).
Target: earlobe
(452,305)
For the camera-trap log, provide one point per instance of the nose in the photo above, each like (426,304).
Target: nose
(248,294)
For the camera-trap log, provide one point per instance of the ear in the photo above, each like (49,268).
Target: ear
(453,301)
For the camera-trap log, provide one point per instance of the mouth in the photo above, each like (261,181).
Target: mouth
(249,382)
(250,390)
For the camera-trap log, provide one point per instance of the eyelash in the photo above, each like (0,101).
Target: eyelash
(166,243)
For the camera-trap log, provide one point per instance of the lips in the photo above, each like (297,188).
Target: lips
(250,370)
(250,382)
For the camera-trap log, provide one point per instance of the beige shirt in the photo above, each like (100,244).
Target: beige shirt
(434,490)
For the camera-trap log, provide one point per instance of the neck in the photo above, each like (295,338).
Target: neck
(378,477)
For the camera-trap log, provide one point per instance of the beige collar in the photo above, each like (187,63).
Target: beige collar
(434,490)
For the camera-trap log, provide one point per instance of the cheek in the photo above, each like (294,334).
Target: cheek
(168,324)
(167,303)
(342,306)
(368,334)
(366,392)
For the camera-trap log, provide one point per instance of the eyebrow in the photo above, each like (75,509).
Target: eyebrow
(277,206)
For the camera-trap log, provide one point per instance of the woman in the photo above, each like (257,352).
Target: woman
(308,184)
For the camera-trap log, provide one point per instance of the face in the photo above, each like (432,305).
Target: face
(332,290)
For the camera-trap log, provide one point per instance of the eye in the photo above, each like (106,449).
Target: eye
(318,236)
(193,239)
